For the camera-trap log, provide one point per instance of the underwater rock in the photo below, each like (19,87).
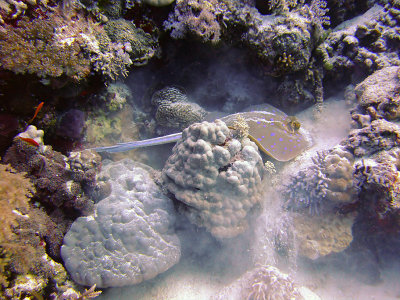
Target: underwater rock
(324,186)
(130,237)
(174,110)
(378,97)
(379,135)
(217,177)
(265,282)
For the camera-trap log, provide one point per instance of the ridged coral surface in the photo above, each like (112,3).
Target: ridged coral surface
(129,238)
(216,176)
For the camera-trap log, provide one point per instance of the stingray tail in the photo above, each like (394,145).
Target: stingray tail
(122,147)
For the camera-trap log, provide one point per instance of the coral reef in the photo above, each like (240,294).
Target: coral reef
(141,46)
(115,96)
(46,46)
(318,236)
(378,97)
(25,267)
(200,18)
(365,43)
(265,282)
(174,110)
(217,178)
(379,135)
(324,186)
(130,238)
(377,181)
(62,184)
(62,40)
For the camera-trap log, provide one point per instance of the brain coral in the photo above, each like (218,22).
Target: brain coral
(175,110)
(129,238)
(217,176)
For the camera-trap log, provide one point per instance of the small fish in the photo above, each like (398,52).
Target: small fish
(39,107)
(30,141)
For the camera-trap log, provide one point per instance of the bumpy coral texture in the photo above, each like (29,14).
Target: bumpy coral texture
(378,183)
(263,282)
(367,42)
(32,47)
(380,135)
(318,236)
(196,17)
(62,184)
(325,185)
(142,45)
(216,176)
(378,97)
(21,238)
(174,109)
(130,238)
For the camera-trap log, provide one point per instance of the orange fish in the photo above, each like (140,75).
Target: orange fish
(39,107)
(30,141)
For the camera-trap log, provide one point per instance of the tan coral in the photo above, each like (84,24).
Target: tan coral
(318,236)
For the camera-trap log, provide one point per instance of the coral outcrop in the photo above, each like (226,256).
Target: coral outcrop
(377,179)
(174,110)
(324,186)
(25,268)
(380,135)
(317,236)
(62,184)
(265,282)
(378,97)
(196,17)
(216,176)
(64,41)
(365,43)
(129,238)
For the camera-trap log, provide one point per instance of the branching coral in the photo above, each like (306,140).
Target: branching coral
(326,184)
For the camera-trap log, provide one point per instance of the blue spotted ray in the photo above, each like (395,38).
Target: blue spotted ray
(274,132)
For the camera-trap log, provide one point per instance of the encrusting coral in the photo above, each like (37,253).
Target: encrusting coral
(216,177)
(25,268)
(62,184)
(63,41)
